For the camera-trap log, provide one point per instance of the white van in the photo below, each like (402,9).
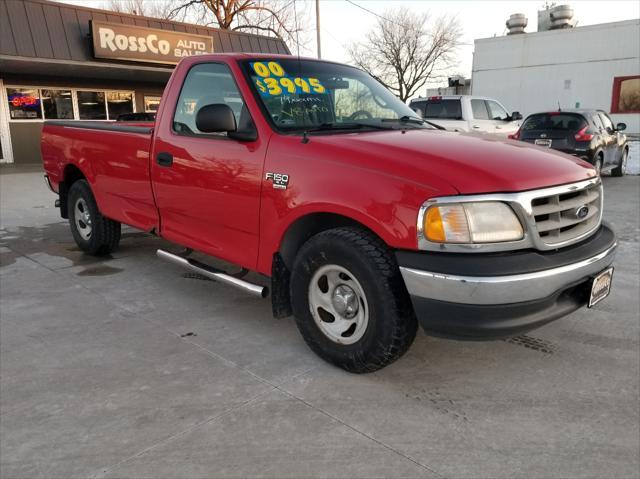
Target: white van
(468,113)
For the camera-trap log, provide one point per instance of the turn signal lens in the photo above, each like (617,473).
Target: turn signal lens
(479,222)
(447,224)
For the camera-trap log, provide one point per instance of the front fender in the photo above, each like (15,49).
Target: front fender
(387,205)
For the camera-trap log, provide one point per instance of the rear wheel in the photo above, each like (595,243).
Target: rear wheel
(93,233)
(621,169)
(350,302)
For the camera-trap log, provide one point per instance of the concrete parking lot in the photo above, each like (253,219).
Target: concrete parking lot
(126,367)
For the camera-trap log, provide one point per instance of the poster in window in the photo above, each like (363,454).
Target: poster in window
(24,104)
(629,100)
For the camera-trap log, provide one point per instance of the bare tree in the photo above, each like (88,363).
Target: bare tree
(407,50)
(163,9)
(281,18)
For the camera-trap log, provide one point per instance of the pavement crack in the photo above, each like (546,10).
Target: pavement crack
(363,434)
(179,434)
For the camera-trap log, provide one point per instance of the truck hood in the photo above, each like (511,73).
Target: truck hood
(470,163)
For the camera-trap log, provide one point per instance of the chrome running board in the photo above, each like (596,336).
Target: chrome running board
(209,272)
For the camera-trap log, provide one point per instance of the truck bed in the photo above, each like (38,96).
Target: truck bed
(113,156)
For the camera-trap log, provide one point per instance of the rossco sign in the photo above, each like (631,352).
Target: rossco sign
(139,44)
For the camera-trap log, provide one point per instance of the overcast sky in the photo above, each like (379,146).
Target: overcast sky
(343,23)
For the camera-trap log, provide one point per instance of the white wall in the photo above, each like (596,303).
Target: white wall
(534,71)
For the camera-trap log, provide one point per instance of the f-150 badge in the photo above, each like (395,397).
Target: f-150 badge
(280,180)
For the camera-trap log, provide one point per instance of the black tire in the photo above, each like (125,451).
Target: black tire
(621,169)
(102,235)
(598,164)
(391,326)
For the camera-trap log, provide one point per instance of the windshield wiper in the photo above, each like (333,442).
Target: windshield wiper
(344,126)
(414,120)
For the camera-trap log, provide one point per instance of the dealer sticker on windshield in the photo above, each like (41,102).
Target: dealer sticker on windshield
(273,81)
(601,287)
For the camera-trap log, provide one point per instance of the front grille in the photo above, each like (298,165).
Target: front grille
(567,215)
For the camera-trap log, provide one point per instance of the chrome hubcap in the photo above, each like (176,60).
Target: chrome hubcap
(338,304)
(345,301)
(82,219)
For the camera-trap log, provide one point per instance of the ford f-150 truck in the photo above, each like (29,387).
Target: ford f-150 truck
(363,219)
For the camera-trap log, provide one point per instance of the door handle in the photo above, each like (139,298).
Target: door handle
(164,159)
(476,127)
(498,127)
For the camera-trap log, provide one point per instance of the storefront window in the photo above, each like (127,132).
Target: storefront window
(119,103)
(57,104)
(91,105)
(626,95)
(24,104)
(151,104)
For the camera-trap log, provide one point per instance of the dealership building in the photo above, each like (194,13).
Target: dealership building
(60,61)
(562,66)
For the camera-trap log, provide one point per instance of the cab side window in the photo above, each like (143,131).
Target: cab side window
(608,124)
(479,109)
(596,121)
(496,111)
(208,84)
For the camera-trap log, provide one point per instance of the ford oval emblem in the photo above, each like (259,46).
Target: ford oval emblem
(582,212)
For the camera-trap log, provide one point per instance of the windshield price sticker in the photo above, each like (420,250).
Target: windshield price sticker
(273,81)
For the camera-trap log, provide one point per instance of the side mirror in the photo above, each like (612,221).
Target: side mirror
(621,126)
(419,112)
(516,115)
(217,118)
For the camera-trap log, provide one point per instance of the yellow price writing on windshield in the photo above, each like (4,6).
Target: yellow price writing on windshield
(270,86)
(316,85)
(273,81)
(271,68)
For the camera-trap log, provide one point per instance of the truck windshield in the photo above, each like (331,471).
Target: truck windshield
(308,95)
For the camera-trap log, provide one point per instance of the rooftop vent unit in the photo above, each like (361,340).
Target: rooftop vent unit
(516,23)
(555,18)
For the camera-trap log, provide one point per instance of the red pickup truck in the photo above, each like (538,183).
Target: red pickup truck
(365,219)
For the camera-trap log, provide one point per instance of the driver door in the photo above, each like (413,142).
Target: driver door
(501,119)
(207,186)
(610,137)
(481,121)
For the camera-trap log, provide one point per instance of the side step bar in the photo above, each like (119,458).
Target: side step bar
(209,272)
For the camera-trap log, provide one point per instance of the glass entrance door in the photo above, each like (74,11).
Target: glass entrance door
(6,154)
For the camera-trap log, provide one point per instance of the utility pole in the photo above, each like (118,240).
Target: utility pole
(318,28)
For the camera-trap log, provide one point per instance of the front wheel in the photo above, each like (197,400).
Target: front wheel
(93,233)
(350,302)
(621,169)
(598,165)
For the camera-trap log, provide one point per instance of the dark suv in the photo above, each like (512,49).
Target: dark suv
(588,134)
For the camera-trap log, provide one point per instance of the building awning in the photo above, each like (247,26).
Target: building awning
(84,69)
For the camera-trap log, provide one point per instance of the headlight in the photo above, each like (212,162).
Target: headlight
(480,222)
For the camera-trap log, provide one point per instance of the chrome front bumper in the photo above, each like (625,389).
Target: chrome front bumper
(496,290)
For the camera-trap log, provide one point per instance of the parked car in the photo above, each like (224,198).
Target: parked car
(361,218)
(587,134)
(467,113)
